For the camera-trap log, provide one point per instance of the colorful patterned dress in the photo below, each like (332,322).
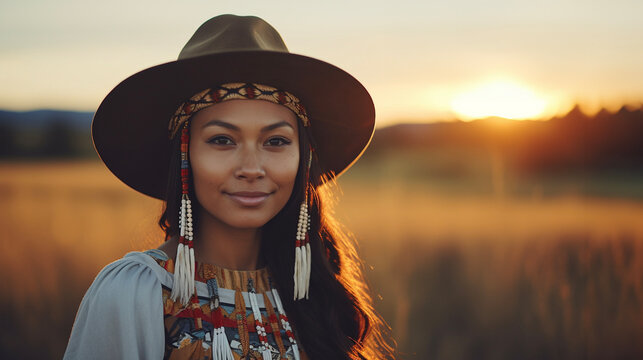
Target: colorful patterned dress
(127,313)
(189,330)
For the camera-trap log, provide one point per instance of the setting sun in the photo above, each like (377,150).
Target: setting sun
(500,98)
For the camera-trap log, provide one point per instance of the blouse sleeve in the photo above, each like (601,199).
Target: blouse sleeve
(121,315)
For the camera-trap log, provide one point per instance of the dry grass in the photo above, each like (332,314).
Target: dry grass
(455,277)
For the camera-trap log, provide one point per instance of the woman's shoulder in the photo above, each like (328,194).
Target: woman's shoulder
(136,273)
(133,268)
(133,277)
(123,302)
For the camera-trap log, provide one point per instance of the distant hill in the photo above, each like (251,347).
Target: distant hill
(45,134)
(573,142)
(40,118)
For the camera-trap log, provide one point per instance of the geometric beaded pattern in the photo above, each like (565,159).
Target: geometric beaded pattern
(232,91)
(189,330)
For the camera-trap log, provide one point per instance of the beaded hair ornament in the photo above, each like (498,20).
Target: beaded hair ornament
(184,283)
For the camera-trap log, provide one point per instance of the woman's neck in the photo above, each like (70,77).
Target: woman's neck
(232,248)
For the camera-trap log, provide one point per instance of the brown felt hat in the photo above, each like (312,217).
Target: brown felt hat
(130,127)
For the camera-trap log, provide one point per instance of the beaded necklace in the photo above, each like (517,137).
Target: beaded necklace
(215,324)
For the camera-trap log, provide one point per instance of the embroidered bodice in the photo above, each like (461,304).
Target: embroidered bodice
(241,311)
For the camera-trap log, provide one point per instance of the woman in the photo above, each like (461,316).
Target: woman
(237,136)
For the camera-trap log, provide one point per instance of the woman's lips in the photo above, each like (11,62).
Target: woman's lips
(248,198)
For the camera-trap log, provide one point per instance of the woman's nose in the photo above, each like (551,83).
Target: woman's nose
(250,166)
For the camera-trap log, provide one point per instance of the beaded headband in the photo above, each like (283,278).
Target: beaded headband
(232,91)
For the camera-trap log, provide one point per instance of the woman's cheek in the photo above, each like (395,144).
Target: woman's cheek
(288,167)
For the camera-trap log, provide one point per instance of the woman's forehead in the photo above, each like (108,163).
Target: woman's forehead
(243,114)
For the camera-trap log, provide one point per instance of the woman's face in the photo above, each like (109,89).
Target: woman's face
(244,156)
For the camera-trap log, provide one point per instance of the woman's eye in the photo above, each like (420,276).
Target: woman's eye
(278,141)
(221,140)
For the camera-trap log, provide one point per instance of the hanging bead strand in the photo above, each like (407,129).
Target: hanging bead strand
(261,330)
(220,346)
(308,256)
(300,251)
(301,276)
(184,270)
(285,323)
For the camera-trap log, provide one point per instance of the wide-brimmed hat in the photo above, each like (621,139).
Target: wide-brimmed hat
(130,127)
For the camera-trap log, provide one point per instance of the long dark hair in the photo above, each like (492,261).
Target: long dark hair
(338,320)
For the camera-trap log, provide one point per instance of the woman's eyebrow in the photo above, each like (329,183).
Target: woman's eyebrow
(275,126)
(221,123)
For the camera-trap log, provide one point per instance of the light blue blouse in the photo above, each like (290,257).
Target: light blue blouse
(121,314)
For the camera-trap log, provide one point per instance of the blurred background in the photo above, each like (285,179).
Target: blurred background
(498,210)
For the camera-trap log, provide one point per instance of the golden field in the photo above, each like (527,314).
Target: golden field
(455,276)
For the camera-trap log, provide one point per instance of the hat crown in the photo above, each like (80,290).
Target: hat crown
(230,33)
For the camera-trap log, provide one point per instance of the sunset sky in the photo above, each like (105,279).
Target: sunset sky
(421,60)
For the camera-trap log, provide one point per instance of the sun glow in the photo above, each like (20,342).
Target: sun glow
(500,98)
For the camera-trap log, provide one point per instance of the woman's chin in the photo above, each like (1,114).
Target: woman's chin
(248,223)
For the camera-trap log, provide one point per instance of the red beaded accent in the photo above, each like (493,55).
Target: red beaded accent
(262,338)
(300,108)
(217,318)
(196,312)
(225,322)
(214,94)
(289,333)
(250,92)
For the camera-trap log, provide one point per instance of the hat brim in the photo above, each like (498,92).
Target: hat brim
(130,127)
